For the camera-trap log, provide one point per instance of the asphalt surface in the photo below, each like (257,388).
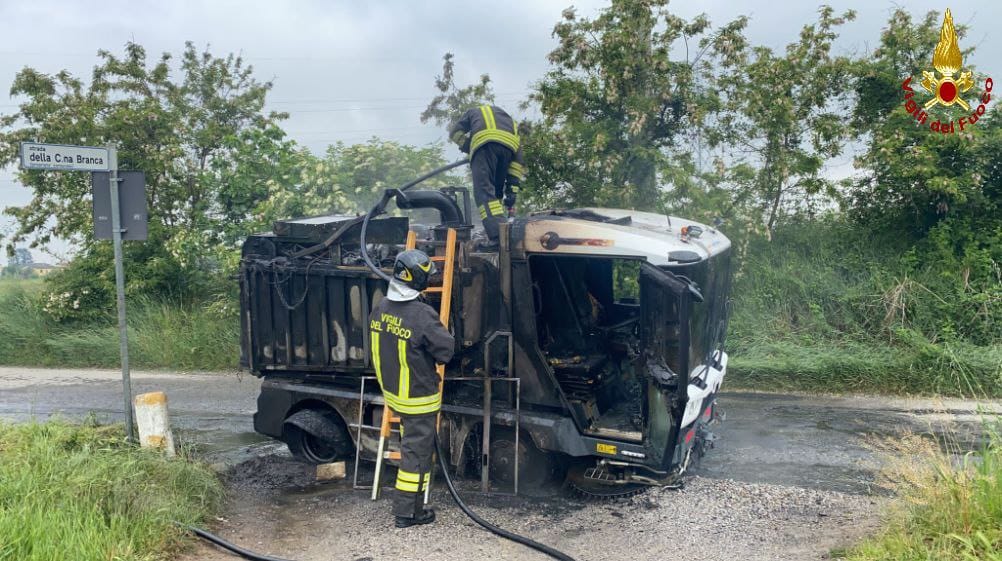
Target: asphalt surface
(791,477)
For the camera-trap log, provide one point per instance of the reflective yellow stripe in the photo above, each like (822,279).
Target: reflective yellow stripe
(405,370)
(407,487)
(483,212)
(488,113)
(414,405)
(504,137)
(516,169)
(374,345)
(496,207)
(424,400)
(408,476)
(411,482)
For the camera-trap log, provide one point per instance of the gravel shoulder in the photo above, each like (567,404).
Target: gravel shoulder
(275,509)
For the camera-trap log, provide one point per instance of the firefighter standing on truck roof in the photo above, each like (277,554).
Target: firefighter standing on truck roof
(407,340)
(490,136)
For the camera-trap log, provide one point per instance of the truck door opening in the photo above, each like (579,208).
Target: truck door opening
(588,314)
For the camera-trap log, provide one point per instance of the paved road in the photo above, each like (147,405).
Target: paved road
(790,477)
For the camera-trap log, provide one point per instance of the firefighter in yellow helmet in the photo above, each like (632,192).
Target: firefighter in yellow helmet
(490,136)
(407,340)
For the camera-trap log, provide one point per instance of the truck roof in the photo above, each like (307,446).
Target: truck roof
(622,233)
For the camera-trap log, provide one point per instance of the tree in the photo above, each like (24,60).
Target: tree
(941,194)
(22,258)
(364,171)
(914,177)
(620,97)
(451,101)
(193,125)
(19,264)
(784,115)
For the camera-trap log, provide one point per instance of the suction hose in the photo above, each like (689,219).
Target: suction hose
(381,207)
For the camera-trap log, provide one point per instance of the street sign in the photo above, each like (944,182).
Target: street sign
(131,204)
(64,157)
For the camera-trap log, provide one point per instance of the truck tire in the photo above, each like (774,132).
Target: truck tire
(317,436)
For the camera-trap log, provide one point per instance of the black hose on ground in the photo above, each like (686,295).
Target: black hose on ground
(232,548)
(554,553)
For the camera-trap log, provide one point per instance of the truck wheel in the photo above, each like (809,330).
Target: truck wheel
(535,467)
(317,437)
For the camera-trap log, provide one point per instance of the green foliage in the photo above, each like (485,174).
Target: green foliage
(19,264)
(364,171)
(80,492)
(829,306)
(196,127)
(620,97)
(451,101)
(951,511)
(783,115)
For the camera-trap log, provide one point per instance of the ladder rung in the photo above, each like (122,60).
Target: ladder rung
(394,419)
(392,455)
(433,289)
(437,258)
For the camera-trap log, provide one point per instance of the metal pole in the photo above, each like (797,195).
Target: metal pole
(123,333)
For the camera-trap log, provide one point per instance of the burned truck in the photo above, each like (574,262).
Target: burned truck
(588,347)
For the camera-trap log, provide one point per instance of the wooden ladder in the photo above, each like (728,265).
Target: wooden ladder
(391,421)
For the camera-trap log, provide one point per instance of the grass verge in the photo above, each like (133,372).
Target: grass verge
(71,491)
(950,369)
(947,512)
(161,334)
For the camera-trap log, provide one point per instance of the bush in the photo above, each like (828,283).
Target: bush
(80,492)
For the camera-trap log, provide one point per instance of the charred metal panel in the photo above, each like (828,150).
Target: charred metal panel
(318,228)
(538,384)
(304,318)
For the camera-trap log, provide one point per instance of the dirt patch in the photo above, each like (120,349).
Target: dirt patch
(269,473)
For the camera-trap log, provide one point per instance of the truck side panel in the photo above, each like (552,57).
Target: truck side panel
(326,327)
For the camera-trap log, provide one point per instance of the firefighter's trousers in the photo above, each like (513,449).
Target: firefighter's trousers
(489,168)
(417,444)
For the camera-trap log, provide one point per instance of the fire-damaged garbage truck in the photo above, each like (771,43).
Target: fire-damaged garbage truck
(588,347)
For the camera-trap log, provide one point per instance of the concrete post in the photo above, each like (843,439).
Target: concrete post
(154,422)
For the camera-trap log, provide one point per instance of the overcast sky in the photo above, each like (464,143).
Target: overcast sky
(350,70)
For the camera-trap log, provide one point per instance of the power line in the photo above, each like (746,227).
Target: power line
(504,97)
(358,60)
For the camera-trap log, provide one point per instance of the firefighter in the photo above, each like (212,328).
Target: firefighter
(407,340)
(490,136)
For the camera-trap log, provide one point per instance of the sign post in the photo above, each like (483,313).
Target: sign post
(61,157)
(123,330)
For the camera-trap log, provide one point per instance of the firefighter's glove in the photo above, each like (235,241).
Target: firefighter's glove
(509,202)
(462,140)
